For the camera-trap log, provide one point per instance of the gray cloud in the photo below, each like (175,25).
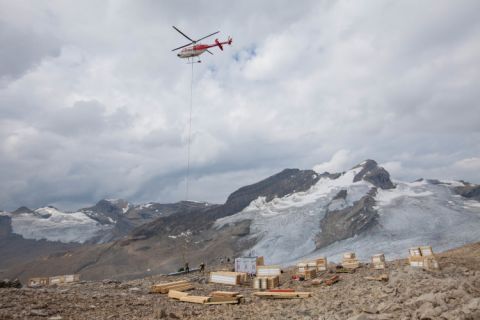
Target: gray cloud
(94,104)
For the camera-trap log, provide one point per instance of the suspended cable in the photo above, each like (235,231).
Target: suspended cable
(189,135)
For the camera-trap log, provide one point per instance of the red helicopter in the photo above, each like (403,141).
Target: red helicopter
(190,51)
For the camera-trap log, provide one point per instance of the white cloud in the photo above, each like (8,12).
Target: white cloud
(93,102)
(339,162)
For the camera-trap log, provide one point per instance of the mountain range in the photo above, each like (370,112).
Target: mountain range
(290,216)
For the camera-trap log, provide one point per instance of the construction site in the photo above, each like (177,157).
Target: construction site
(425,285)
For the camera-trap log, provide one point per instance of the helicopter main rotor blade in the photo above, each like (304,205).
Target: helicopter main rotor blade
(183,34)
(210,52)
(207,36)
(183,46)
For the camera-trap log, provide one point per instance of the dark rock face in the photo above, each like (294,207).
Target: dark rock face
(5,226)
(278,185)
(105,209)
(201,218)
(22,210)
(346,223)
(471,191)
(374,174)
(342,194)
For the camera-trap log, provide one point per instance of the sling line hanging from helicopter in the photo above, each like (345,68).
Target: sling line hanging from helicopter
(189,136)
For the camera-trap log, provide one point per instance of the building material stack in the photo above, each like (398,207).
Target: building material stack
(378,261)
(216,297)
(264,283)
(45,281)
(322,264)
(423,257)
(350,261)
(227,277)
(268,271)
(165,287)
(248,264)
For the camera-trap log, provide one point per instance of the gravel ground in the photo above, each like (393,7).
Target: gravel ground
(451,293)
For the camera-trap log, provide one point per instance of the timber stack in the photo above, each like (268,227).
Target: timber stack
(228,277)
(165,287)
(378,261)
(350,261)
(423,257)
(268,271)
(264,283)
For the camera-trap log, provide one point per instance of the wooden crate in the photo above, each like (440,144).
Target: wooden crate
(322,264)
(349,255)
(350,263)
(260,261)
(426,251)
(268,271)
(263,283)
(310,274)
(301,267)
(226,277)
(38,281)
(415,252)
(416,261)
(430,263)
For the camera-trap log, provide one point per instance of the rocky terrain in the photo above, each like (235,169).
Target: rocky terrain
(450,293)
(286,217)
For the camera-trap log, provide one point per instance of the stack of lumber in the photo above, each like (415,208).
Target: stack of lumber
(268,271)
(319,264)
(228,277)
(283,294)
(301,267)
(332,280)
(322,264)
(216,297)
(182,285)
(263,283)
(350,261)
(423,257)
(378,261)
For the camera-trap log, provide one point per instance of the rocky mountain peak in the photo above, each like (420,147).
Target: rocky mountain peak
(22,209)
(374,174)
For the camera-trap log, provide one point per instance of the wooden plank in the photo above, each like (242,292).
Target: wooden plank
(283,295)
(281,290)
(224,293)
(174,294)
(178,287)
(223,302)
(166,284)
(195,299)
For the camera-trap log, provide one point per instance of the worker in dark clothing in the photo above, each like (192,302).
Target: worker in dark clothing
(202,267)
(187,268)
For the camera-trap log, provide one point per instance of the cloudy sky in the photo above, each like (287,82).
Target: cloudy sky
(94,104)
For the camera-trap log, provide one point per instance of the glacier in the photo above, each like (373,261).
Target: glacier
(54,225)
(416,213)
